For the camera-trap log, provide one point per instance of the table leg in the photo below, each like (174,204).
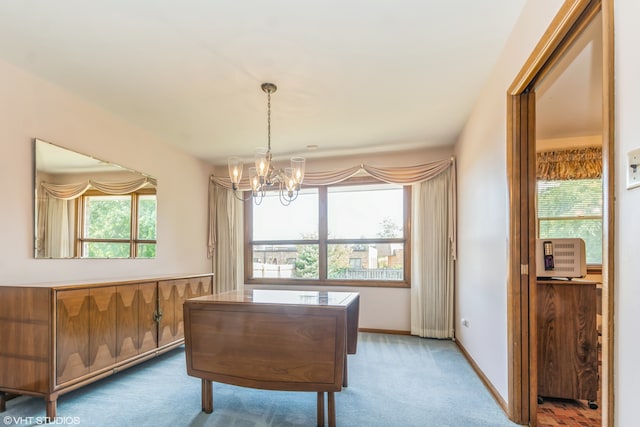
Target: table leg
(331,409)
(320,416)
(207,396)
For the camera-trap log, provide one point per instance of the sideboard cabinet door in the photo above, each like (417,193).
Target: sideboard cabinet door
(147,308)
(86,331)
(72,334)
(171,296)
(102,327)
(136,329)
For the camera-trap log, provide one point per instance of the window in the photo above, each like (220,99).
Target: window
(352,233)
(572,208)
(117,226)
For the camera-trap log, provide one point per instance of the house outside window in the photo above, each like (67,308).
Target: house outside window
(353,233)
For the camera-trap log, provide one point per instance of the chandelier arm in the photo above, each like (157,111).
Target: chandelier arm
(235,194)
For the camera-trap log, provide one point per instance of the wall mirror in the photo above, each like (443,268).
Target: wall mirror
(89,208)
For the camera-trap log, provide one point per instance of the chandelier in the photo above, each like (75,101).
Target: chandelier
(263,177)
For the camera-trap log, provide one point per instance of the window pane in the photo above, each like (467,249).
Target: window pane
(590,230)
(380,261)
(298,221)
(107,217)
(146,250)
(147,206)
(365,211)
(106,250)
(570,198)
(572,209)
(285,261)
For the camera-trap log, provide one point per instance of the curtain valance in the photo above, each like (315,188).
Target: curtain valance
(405,175)
(72,191)
(577,163)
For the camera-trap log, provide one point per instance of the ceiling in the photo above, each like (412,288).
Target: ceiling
(353,76)
(569,99)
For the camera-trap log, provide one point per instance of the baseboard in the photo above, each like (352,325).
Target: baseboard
(384,331)
(499,400)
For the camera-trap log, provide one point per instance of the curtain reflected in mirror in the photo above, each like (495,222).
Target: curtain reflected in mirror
(89,208)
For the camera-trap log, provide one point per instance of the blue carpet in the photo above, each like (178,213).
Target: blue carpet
(394,381)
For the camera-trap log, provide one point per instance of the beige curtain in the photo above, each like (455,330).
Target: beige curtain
(58,233)
(226,239)
(394,175)
(432,268)
(73,191)
(432,257)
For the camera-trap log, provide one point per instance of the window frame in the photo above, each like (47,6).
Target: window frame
(323,243)
(133,240)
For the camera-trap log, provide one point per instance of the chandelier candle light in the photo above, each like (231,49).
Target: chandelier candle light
(263,176)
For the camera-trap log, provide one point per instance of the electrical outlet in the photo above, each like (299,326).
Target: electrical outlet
(465,322)
(633,169)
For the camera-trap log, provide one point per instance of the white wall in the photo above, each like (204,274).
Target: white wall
(627,235)
(385,309)
(483,211)
(33,108)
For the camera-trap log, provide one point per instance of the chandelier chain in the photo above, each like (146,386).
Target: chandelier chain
(269,120)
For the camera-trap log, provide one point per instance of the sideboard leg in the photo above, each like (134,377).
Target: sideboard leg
(3,401)
(345,373)
(331,409)
(51,404)
(320,416)
(207,396)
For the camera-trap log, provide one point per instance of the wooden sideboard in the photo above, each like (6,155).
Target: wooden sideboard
(274,340)
(59,337)
(567,339)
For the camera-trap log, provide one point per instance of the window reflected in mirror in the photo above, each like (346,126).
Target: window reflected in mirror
(89,208)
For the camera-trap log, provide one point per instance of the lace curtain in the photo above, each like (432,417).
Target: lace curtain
(432,274)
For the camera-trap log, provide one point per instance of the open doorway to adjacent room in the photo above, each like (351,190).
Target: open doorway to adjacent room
(569,190)
(550,107)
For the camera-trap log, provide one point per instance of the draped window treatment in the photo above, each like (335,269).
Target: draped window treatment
(432,266)
(226,231)
(56,216)
(577,163)
(432,269)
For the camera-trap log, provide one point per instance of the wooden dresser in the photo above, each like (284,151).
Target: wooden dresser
(56,338)
(567,339)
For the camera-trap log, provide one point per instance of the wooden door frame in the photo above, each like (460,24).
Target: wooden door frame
(570,21)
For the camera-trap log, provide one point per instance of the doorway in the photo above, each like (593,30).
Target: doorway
(572,20)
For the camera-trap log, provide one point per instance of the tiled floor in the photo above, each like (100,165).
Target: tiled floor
(567,412)
(573,413)
(563,412)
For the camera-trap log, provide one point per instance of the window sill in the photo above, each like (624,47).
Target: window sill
(328,283)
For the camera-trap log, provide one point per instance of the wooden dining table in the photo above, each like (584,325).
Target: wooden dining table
(286,340)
